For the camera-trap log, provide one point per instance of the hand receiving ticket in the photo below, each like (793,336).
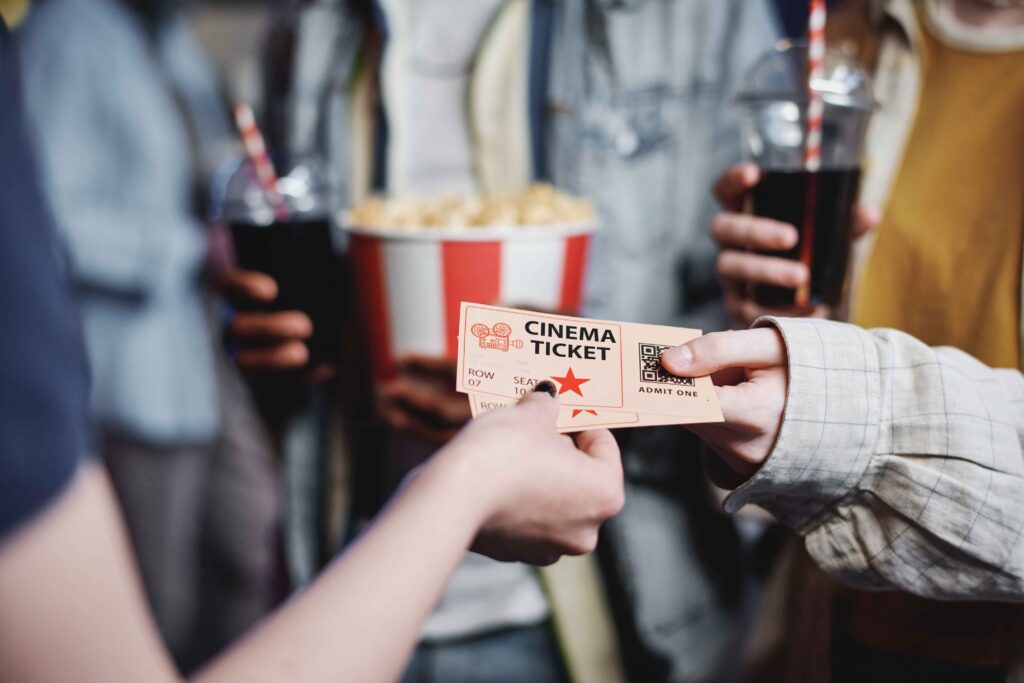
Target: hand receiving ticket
(607,374)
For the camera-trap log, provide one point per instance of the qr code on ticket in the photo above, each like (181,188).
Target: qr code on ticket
(651,370)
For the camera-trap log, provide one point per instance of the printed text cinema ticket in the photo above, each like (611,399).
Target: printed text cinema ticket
(596,365)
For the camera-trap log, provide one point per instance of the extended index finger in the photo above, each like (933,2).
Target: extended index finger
(757,348)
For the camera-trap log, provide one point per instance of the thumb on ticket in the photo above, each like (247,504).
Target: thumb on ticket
(544,402)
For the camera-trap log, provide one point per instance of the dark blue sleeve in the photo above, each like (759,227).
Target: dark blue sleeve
(44,426)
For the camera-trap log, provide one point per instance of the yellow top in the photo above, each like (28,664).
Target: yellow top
(13,11)
(946,264)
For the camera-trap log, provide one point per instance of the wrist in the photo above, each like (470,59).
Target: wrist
(461,479)
(723,473)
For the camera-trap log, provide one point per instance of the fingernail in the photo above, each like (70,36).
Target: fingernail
(300,353)
(302,326)
(678,357)
(547,387)
(752,174)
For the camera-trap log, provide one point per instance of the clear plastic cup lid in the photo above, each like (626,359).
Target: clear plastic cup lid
(239,196)
(781,75)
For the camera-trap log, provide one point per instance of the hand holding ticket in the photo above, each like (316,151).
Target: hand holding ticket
(607,374)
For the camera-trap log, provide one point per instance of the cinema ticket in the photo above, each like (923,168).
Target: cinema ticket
(601,369)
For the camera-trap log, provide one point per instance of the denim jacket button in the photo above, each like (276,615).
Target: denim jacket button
(627,142)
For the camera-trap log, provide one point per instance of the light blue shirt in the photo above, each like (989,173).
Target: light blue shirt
(118,167)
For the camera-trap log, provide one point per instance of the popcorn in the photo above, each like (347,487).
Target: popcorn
(539,204)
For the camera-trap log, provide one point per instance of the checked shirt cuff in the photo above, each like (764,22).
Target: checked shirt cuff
(830,426)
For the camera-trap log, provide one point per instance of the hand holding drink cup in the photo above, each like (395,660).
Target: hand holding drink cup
(285,285)
(269,341)
(789,215)
(747,243)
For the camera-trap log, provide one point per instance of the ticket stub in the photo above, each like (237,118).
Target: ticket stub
(578,419)
(596,365)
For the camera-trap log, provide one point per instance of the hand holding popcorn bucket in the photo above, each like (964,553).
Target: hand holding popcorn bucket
(414,262)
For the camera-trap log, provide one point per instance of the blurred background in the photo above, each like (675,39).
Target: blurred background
(270,357)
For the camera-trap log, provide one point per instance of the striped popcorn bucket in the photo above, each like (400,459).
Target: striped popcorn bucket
(410,282)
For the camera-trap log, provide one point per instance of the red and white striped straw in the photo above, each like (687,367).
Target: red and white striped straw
(812,143)
(815,72)
(256,149)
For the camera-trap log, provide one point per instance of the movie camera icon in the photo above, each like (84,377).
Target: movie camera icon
(496,337)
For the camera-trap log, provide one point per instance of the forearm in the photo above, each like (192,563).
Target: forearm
(358,622)
(361,619)
(71,604)
(508,476)
(902,465)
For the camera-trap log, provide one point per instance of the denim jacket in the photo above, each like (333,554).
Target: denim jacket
(117,163)
(640,119)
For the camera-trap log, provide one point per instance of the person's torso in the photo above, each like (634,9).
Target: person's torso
(639,119)
(946,262)
(426,71)
(151,352)
(44,427)
(628,104)
(946,159)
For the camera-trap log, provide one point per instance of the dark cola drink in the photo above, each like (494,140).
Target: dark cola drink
(299,256)
(784,196)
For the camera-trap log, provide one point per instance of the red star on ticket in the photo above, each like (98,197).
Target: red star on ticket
(570,383)
(579,411)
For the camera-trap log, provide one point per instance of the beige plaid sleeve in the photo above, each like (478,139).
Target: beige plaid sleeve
(900,464)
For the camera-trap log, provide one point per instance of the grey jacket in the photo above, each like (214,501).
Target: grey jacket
(116,159)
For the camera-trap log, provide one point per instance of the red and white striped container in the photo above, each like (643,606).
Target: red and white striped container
(410,282)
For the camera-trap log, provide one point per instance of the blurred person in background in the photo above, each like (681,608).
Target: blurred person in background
(628,104)
(944,189)
(128,120)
